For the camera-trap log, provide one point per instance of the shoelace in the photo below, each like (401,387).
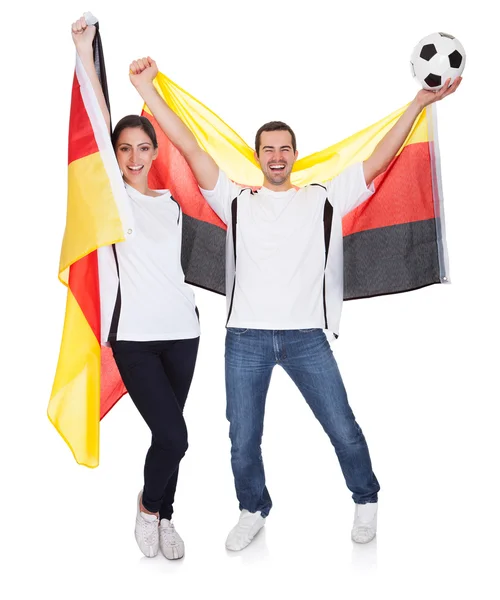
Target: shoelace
(150,532)
(169,535)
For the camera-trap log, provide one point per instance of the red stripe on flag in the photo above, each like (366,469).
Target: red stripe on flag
(112,388)
(403,193)
(84,285)
(81,135)
(171,171)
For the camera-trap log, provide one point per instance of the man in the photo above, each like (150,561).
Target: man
(284,284)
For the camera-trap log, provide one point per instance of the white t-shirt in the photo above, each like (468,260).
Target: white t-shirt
(281,279)
(156,303)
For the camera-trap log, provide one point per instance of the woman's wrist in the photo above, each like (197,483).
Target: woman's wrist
(85,51)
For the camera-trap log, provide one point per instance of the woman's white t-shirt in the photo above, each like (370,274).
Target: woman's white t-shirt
(156,303)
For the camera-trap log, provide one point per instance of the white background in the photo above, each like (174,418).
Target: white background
(420,368)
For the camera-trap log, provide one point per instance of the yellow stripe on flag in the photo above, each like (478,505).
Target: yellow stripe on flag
(225,146)
(74,407)
(93,219)
(328,163)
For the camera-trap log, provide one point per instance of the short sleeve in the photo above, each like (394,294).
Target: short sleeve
(221,196)
(348,190)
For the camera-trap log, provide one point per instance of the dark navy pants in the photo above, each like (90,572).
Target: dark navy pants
(157,376)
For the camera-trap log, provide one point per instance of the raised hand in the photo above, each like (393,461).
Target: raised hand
(83,34)
(426,97)
(142,71)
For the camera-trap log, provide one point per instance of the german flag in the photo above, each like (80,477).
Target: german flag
(393,243)
(87,382)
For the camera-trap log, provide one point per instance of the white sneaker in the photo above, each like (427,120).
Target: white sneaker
(171,543)
(146,531)
(364,527)
(245,530)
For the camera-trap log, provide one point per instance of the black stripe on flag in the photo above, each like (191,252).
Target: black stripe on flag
(389,260)
(386,260)
(203,255)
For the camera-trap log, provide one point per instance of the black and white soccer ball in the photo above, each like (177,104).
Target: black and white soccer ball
(436,58)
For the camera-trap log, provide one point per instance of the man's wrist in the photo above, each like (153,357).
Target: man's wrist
(418,106)
(145,88)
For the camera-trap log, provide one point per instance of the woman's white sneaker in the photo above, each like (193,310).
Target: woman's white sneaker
(364,528)
(171,543)
(245,530)
(146,531)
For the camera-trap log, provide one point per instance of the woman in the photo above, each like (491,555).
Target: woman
(155,328)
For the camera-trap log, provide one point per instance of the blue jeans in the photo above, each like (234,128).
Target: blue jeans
(251,355)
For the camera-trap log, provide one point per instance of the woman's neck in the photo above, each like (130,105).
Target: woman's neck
(140,186)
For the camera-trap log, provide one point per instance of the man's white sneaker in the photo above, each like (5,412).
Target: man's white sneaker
(171,543)
(364,528)
(146,531)
(245,530)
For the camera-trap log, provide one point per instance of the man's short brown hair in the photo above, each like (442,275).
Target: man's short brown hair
(275,126)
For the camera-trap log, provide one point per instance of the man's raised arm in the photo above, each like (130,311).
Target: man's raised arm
(390,144)
(142,73)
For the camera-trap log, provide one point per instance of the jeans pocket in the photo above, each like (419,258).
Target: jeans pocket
(237,330)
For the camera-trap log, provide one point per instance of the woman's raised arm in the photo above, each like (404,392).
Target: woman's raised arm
(83,36)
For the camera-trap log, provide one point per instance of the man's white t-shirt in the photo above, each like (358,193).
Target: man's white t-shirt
(281,280)
(156,303)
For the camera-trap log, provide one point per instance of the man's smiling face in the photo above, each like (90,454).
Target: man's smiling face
(276,158)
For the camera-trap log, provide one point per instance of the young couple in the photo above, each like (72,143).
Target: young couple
(284,286)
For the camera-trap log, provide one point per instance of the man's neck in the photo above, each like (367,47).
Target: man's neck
(283,187)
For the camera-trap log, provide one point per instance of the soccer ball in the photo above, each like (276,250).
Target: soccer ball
(436,58)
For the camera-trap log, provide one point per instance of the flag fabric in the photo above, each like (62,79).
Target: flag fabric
(87,382)
(393,243)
